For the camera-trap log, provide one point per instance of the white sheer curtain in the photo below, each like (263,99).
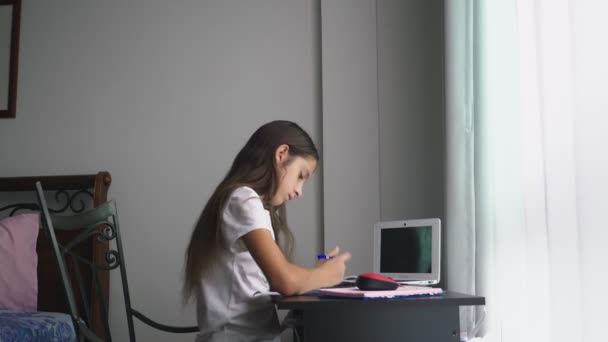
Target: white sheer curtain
(527,167)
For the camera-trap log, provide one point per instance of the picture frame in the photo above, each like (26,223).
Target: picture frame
(10,20)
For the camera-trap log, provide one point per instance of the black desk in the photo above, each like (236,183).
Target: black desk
(424,319)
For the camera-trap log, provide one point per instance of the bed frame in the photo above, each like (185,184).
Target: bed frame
(73,193)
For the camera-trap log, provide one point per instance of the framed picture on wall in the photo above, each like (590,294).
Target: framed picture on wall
(10,16)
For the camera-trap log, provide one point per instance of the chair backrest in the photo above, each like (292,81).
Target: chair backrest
(66,193)
(101,223)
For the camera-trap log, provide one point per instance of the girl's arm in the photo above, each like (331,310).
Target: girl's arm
(288,278)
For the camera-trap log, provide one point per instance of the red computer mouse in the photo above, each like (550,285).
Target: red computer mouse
(375,282)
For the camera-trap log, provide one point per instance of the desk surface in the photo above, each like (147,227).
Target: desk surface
(314,302)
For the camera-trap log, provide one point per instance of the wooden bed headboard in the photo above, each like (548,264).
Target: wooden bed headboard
(71,193)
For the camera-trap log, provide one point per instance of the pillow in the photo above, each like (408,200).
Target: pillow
(18,262)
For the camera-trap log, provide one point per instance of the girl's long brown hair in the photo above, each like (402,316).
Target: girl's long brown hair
(255,167)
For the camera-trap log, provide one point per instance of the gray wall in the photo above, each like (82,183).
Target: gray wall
(411,107)
(350,128)
(383,122)
(163,94)
(411,104)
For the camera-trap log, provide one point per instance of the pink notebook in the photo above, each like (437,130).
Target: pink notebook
(401,291)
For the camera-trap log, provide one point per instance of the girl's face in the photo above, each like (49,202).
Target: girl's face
(292,174)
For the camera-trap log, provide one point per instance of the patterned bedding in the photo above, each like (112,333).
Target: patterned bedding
(35,326)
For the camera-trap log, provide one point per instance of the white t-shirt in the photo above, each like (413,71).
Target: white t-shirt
(227,309)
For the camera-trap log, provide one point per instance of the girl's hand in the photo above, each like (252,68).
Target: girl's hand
(287,278)
(330,254)
(335,267)
(334,252)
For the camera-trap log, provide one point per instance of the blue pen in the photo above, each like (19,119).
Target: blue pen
(323,257)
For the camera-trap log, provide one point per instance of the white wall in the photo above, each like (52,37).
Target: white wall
(163,94)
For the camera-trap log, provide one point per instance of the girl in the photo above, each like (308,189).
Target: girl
(238,247)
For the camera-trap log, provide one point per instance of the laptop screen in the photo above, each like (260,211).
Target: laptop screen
(406,250)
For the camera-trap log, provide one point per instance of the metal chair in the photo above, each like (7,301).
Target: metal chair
(100,222)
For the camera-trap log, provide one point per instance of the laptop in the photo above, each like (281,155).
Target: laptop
(408,251)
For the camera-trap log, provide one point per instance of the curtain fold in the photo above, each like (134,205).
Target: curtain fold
(460,138)
(524,196)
